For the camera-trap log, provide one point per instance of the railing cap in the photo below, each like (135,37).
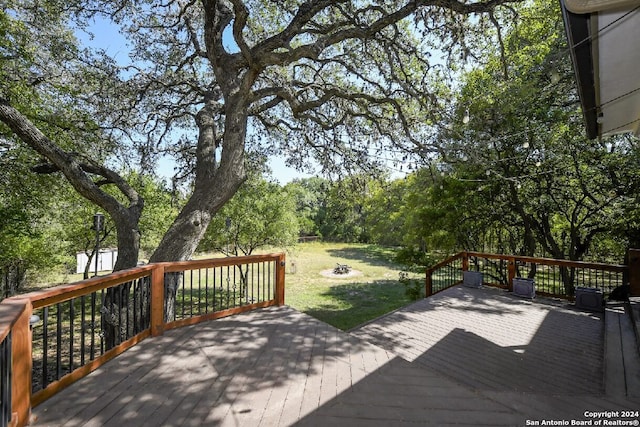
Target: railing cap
(10,310)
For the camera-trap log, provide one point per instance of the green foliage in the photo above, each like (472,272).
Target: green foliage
(28,236)
(518,174)
(341,217)
(326,94)
(334,210)
(25,236)
(413,288)
(417,260)
(161,207)
(385,219)
(534,185)
(260,214)
(309,195)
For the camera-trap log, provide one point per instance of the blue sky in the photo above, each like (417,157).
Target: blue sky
(107,37)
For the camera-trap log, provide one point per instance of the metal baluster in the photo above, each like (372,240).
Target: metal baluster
(252,280)
(200,291)
(190,293)
(45,346)
(206,290)
(5,376)
(137,289)
(83,313)
(58,342)
(101,322)
(118,306)
(235,284)
(228,288)
(71,316)
(92,340)
(272,294)
(215,287)
(261,282)
(183,294)
(252,298)
(146,321)
(126,291)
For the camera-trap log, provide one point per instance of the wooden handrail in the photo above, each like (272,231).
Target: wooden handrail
(445,262)
(64,293)
(514,260)
(172,267)
(552,261)
(9,314)
(15,314)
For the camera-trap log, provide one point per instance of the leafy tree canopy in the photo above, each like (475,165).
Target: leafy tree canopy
(261,214)
(210,80)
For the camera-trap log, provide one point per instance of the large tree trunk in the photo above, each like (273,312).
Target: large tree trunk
(214,185)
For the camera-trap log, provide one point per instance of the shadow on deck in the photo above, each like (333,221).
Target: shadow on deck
(463,356)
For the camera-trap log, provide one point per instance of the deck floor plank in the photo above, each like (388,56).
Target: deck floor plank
(462,357)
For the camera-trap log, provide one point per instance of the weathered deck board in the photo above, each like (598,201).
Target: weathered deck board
(464,357)
(491,340)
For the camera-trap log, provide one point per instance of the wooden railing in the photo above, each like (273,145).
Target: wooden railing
(50,339)
(445,274)
(553,277)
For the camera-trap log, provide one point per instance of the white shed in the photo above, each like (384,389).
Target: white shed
(106,260)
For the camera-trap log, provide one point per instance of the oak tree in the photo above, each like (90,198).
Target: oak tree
(210,80)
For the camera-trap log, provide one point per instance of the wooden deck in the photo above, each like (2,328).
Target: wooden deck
(462,357)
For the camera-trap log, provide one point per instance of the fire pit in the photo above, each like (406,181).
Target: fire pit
(342,269)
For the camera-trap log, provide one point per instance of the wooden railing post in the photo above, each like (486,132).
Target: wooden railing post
(465,261)
(280,272)
(633,265)
(428,284)
(157,300)
(511,271)
(21,365)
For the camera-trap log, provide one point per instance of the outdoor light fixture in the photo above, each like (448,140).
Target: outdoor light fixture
(33,319)
(466,117)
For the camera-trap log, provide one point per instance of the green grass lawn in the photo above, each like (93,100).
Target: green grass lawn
(343,302)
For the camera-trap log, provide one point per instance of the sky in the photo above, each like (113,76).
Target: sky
(107,37)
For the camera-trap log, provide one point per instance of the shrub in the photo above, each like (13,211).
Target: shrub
(412,287)
(415,259)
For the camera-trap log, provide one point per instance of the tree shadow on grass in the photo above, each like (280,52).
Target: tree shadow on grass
(371,254)
(356,303)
